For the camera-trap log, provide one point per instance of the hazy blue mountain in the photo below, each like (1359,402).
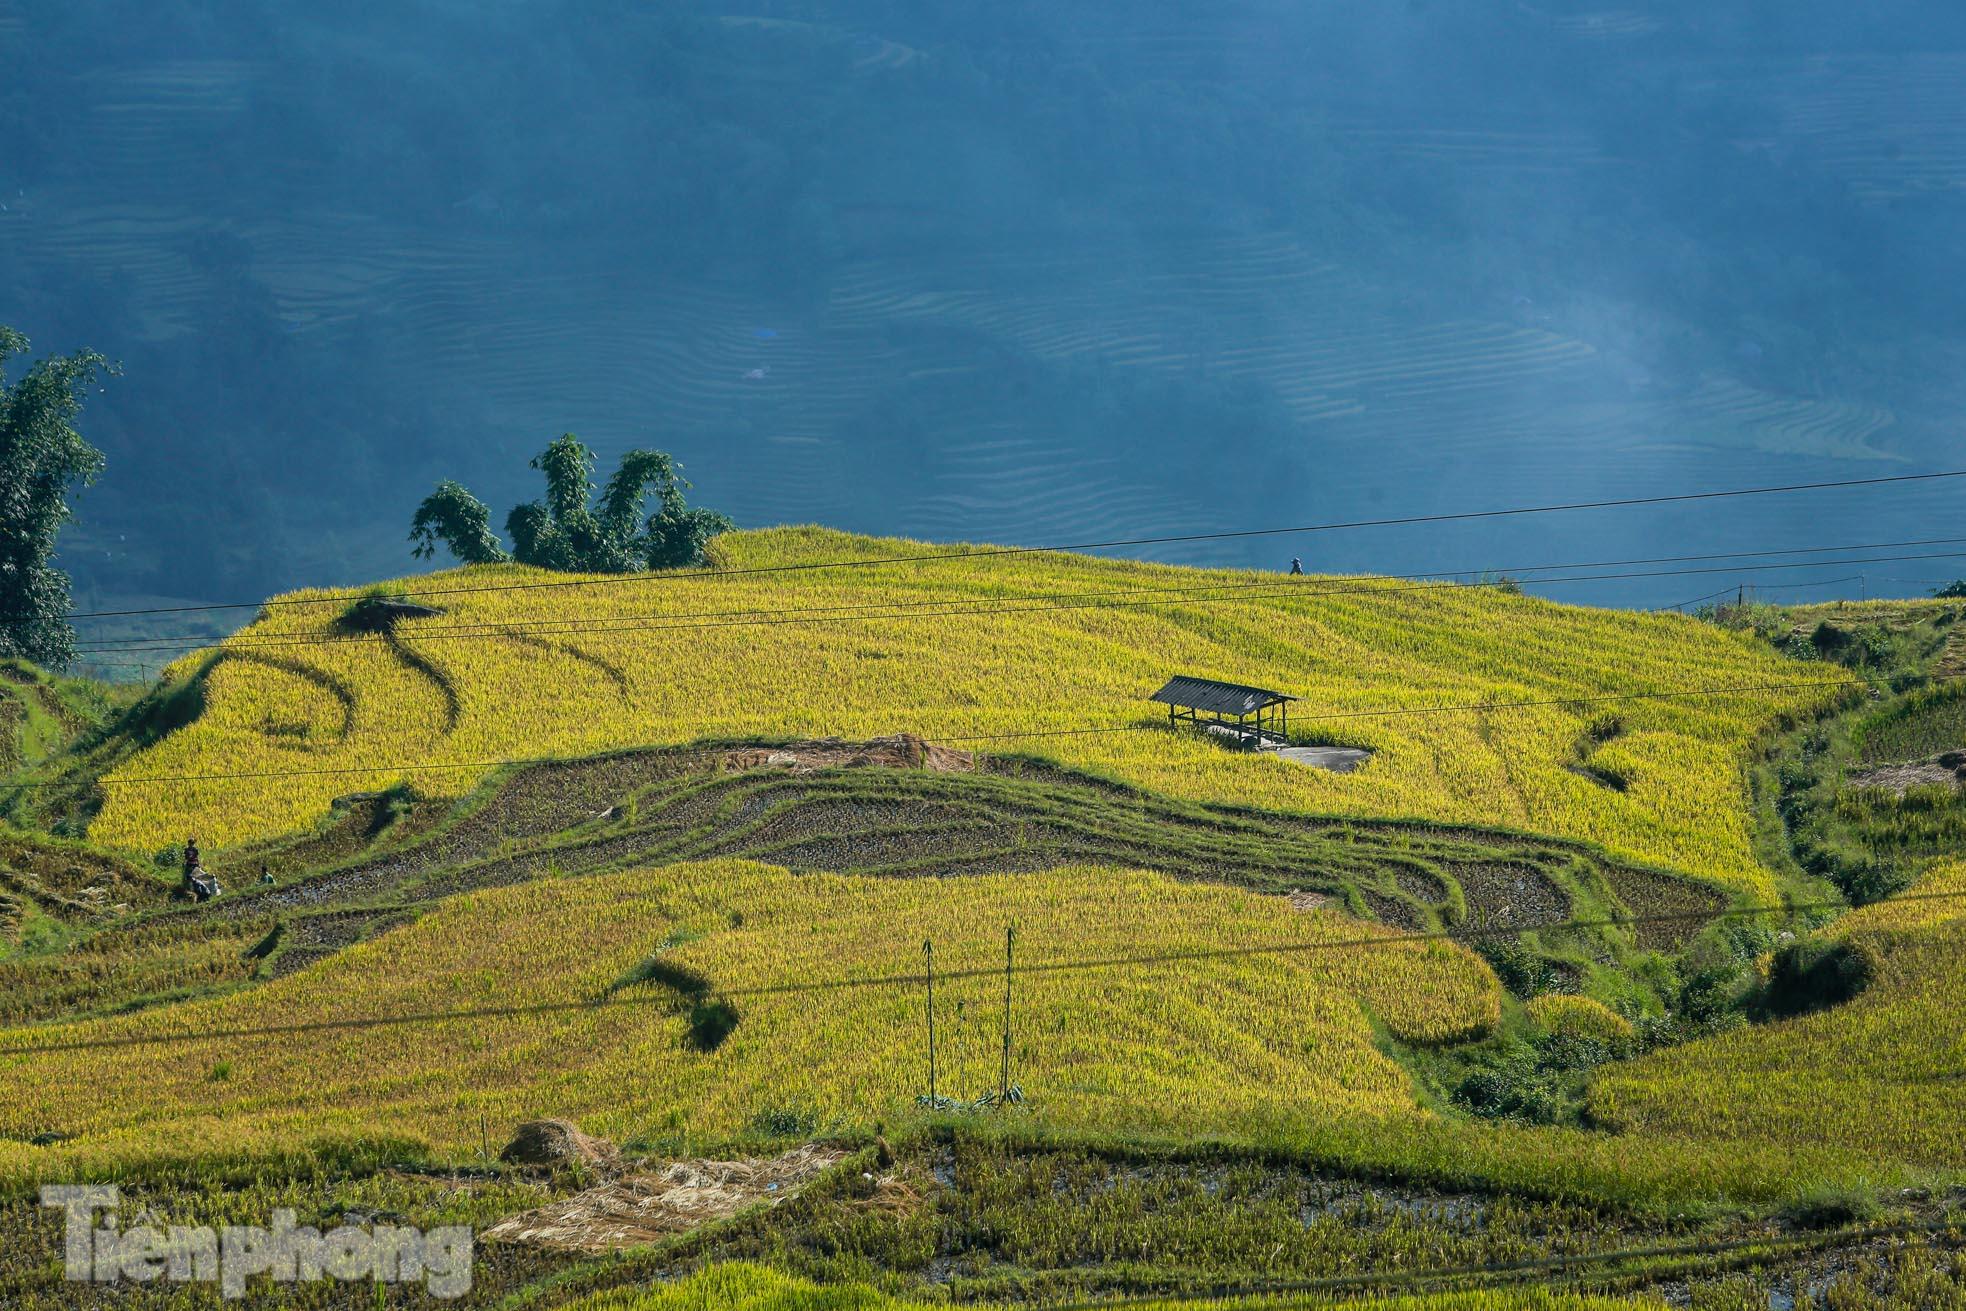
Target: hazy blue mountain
(1026,270)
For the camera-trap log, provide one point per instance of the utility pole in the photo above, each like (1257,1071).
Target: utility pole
(928,953)
(1009,941)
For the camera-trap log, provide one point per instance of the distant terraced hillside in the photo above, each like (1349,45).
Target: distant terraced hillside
(966,651)
(1049,278)
(1889,127)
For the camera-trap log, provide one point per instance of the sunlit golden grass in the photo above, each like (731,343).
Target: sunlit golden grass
(751,1288)
(1274,1049)
(1224,1045)
(1347,647)
(1577,1016)
(1885,1073)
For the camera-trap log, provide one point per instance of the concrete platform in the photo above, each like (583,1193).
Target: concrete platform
(1339,760)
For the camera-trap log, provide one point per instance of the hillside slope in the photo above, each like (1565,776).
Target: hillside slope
(1193,1045)
(1051,645)
(1885,1073)
(1281,1049)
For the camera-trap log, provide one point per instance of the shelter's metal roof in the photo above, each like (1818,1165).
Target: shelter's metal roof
(1217,698)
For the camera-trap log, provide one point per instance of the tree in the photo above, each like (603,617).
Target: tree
(1953,590)
(460,520)
(571,530)
(41,458)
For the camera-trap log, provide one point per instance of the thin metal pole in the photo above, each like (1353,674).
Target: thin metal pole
(928,951)
(1009,940)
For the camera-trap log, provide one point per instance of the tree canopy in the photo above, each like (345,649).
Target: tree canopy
(571,529)
(42,457)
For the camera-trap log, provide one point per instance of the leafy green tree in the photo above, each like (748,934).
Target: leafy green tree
(41,458)
(458,519)
(572,530)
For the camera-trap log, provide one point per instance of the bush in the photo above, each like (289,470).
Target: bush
(1519,968)
(1710,994)
(379,609)
(1830,1209)
(1812,974)
(1516,1089)
(1872,879)
(1605,727)
(787,1121)
(565,531)
(1575,1051)
(710,1022)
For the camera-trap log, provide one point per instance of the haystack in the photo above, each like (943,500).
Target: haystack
(556,1143)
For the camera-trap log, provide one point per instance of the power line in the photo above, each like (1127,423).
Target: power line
(990,972)
(1773,587)
(1814,582)
(1190,594)
(109,644)
(1681,605)
(1482,707)
(999,551)
(1505,570)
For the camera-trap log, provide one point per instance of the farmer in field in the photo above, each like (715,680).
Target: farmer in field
(198,885)
(1296,567)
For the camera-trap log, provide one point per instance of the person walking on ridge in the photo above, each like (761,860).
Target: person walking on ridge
(1296,567)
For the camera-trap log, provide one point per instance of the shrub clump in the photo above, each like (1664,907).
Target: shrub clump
(379,609)
(1811,975)
(710,1022)
(1519,968)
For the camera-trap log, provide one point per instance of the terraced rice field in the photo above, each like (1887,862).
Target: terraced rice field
(1318,363)
(289,698)
(908,824)
(1890,127)
(1885,1073)
(1199,1045)
(644,808)
(1280,1048)
(1493,150)
(1346,356)
(749,1288)
(1604,25)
